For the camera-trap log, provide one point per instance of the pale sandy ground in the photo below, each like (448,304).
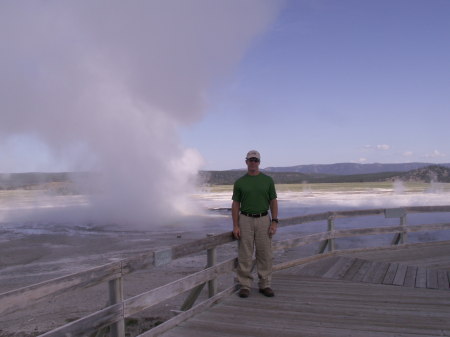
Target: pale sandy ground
(34,258)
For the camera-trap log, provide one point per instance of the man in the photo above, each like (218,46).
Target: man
(253,195)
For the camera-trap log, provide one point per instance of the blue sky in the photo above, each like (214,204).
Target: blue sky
(335,81)
(315,82)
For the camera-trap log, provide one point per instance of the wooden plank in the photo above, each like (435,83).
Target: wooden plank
(379,277)
(338,270)
(117,329)
(400,275)
(192,297)
(201,245)
(210,242)
(325,308)
(390,274)
(376,273)
(202,328)
(380,272)
(346,233)
(301,241)
(432,282)
(357,213)
(319,268)
(351,272)
(145,300)
(410,277)
(171,323)
(89,324)
(396,239)
(427,209)
(394,212)
(443,282)
(427,227)
(303,260)
(322,247)
(386,251)
(17,299)
(421,278)
(348,314)
(368,276)
(389,229)
(362,271)
(297,220)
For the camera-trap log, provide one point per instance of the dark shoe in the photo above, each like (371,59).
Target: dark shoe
(267,292)
(244,293)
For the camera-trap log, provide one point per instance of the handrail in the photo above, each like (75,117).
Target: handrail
(14,300)
(346,233)
(112,314)
(355,213)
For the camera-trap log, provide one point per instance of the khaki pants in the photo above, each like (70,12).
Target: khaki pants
(254,237)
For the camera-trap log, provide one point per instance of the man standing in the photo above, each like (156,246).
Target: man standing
(253,195)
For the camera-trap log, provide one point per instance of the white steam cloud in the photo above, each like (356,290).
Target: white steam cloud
(111,81)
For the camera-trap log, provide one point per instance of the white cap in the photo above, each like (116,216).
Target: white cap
(253,154)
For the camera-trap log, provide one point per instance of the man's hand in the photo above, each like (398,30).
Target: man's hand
(235,207)
(272,228)
(236,232)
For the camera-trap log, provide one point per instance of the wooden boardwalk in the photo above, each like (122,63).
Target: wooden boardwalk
(375,293)
(360,270)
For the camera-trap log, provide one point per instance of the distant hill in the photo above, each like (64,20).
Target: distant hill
(34,180)
(432,173)
(424,174)
(229,177)
(64,180)
(351,168)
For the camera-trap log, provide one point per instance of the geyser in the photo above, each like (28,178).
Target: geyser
(107,83)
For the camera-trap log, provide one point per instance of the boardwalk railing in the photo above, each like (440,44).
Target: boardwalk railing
(119,308)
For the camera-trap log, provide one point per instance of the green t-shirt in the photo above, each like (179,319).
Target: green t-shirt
(254,193)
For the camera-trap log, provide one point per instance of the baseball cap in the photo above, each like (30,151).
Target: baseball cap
(253,154)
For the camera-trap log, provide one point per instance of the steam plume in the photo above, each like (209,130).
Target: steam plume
(111,81)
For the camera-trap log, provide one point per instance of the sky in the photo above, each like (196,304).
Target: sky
(332,81)
(301,81)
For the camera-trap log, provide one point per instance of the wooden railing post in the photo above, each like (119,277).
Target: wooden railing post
(331,230)
(211,261)
(212,284)
(400,237)
(116,296)
(404,234)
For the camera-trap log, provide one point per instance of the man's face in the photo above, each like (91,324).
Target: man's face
(252,163)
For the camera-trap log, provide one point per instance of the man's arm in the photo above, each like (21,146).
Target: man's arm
(274,213)
(235,207)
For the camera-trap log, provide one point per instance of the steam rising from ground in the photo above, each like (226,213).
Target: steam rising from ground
(106,84)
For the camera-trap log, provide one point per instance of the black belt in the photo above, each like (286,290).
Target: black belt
(255,215)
